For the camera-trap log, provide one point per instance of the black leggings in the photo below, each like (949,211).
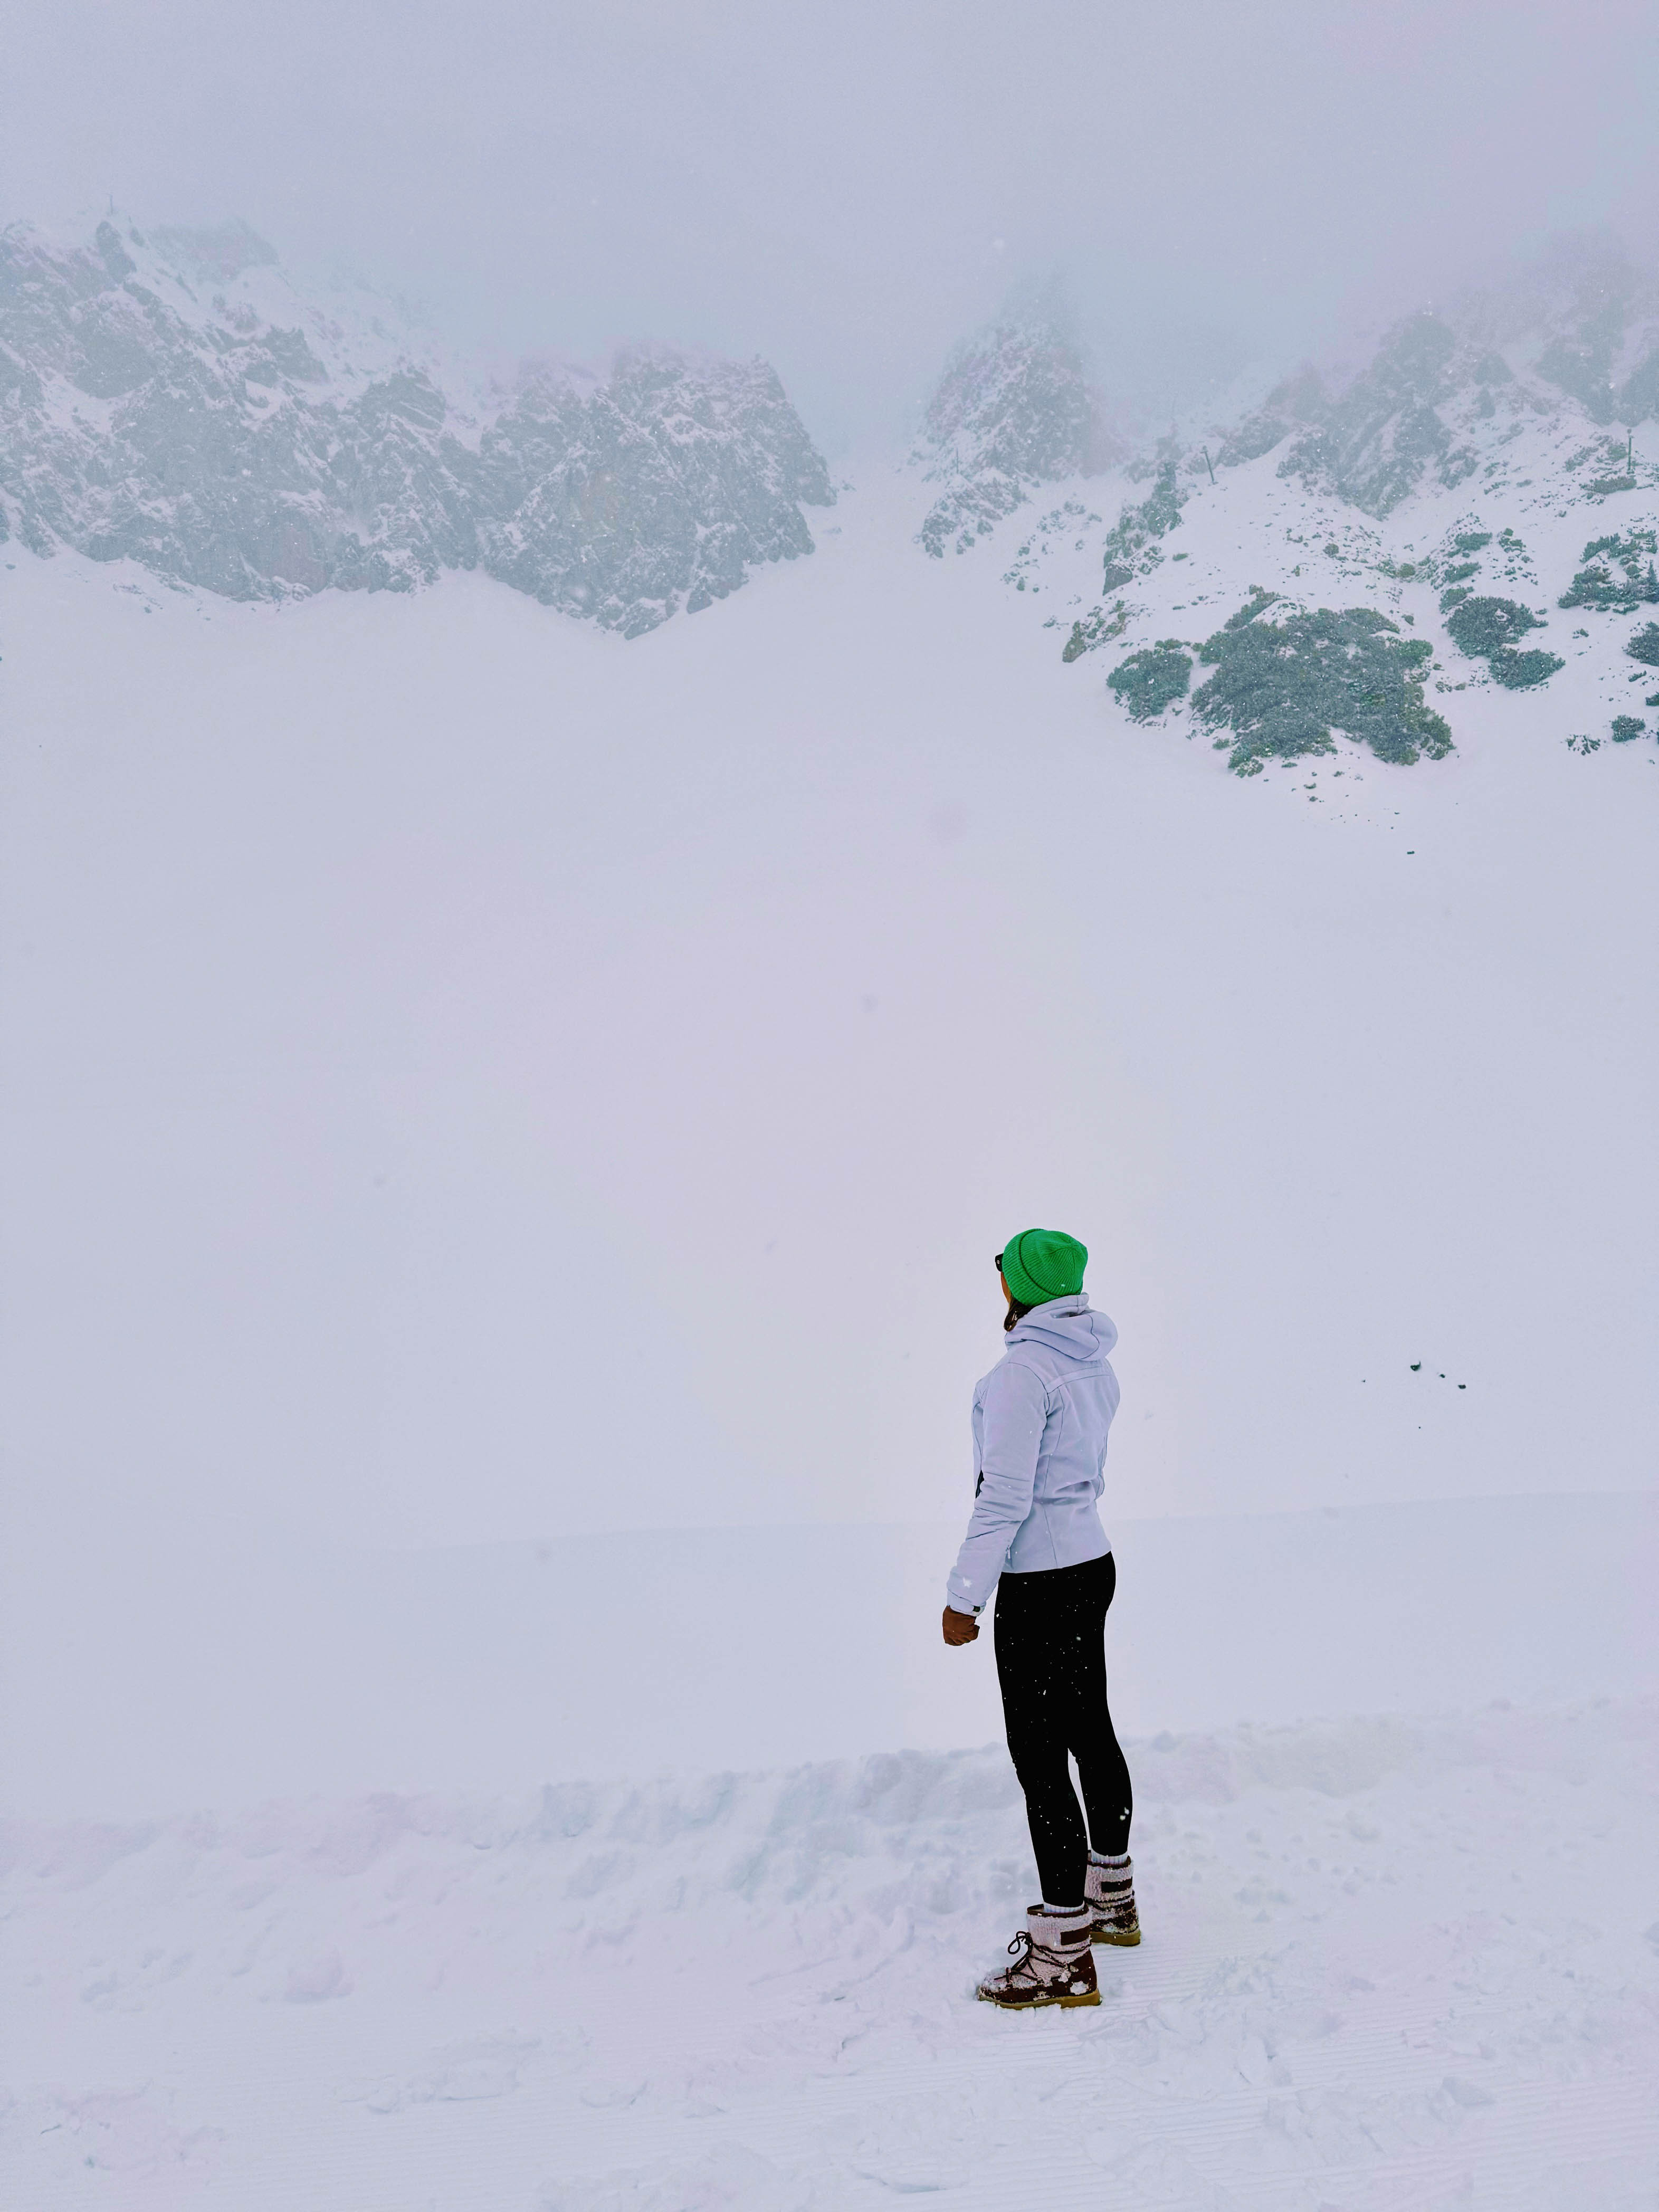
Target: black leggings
(1051,1663)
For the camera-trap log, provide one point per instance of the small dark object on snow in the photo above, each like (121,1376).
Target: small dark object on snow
(1416,1364)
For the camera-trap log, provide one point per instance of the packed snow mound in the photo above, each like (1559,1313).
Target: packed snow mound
(1386,1962)
(1014,410)
(174,399)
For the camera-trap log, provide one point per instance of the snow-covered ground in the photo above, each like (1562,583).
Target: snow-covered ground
(505,1138)
(275,1668)
(1387,1962)
(437,1028)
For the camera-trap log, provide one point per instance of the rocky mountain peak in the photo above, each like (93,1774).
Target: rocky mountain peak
(174,398)
(1014,410)
(1580,332)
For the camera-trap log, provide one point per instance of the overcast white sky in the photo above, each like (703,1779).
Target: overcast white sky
(847,187)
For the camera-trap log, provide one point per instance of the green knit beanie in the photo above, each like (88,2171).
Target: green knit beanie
(1040,1264)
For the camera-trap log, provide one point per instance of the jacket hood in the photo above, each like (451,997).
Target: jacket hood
(1068,1326)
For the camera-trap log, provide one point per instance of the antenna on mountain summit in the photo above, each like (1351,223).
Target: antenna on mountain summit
(1208,463)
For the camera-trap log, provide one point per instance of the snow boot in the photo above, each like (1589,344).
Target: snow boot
(1108,1888)
(1052,1964)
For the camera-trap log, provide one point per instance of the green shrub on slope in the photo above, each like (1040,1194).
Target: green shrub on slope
(1149,681)
(1519,671)
(1482,626)
(1486,630)
(1614,580)
(1282,688)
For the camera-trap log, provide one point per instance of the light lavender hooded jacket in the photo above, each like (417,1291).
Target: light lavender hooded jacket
(1040,1423)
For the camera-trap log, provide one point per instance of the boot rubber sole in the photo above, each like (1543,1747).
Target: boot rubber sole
(1124,1942)
(1035,2004)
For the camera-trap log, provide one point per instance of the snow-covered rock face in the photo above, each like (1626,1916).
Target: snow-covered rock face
(173,400)
(1581,335)
(1014,410)
(666,483)
(1441,400)
(1477,508)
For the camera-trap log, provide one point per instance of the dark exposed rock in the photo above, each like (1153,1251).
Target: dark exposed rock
(1131,546)
(1375,444)
(1291,405)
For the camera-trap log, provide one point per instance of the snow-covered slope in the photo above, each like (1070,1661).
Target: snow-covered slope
(490,1095)
(1530,597)
(386,946)
(171,398)
(1476,504)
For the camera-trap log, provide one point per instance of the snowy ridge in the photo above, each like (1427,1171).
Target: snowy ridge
(1361,1970)
(173,400)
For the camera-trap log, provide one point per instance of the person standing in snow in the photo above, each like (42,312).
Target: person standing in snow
(1040,1422)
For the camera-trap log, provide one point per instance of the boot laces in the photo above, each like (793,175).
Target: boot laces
(1024,1969)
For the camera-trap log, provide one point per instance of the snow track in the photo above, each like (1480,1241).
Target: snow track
(1387,1962)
